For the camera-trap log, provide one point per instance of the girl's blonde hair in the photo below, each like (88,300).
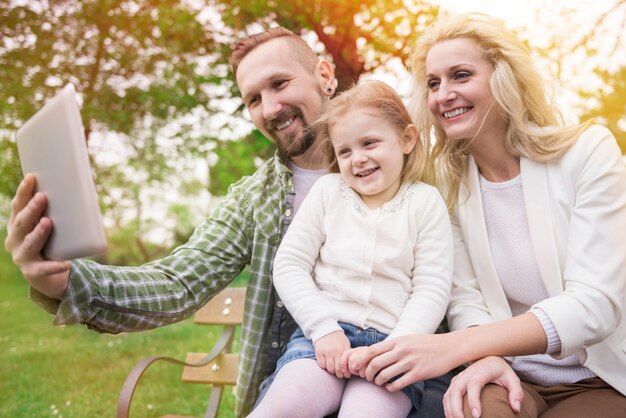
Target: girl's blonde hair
(535,124)
(388,104)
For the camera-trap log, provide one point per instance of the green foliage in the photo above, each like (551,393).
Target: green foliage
(237,159)
(609,105)
(185,223)
(10,171)
(131,61)
(137,65)
(358,35)
(126,248)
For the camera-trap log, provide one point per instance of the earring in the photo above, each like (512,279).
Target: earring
(329,90)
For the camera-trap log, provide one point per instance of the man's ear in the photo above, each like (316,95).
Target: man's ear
(409,136)
(326,77)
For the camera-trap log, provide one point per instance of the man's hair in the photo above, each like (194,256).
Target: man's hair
(388,106)
(301,51)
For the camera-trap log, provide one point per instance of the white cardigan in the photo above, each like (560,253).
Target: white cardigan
(576,210)
(389,268)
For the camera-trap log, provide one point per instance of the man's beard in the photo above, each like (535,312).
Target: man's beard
(294,144)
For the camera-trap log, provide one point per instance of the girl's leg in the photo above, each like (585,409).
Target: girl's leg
(301,389)
(366,399)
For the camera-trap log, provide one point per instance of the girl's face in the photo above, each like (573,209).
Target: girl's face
(459,95)
(370,153)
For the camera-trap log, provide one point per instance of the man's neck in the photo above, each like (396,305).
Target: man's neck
(312,159)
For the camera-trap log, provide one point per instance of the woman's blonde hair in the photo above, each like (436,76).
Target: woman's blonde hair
(535,124)
(388,104)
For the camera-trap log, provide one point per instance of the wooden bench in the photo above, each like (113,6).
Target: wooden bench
(218,368)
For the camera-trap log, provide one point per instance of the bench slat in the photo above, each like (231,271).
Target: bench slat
(222,370)
(226,308)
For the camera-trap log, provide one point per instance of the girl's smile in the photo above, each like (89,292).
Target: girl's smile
(370,154)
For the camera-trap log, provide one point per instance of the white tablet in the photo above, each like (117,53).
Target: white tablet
(52,145)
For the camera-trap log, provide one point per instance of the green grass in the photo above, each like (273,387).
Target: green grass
(48,371)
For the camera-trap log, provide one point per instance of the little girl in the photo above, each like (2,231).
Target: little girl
(367,258)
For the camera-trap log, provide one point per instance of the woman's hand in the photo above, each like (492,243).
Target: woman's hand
(328,351)
(354,361)
(471,382)
(411,357)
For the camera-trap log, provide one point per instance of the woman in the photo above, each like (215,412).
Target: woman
(539,214)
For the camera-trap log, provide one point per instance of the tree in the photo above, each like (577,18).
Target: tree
(128,59)
(609,105)
(136,64)
(359,35)
(140,65)
(575,47)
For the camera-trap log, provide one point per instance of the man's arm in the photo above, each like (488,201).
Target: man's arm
(116,299)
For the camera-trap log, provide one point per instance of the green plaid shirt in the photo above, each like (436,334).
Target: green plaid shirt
(245,229)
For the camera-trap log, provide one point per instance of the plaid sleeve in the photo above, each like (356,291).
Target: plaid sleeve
(116,299)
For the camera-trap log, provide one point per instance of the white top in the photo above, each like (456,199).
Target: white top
(576,210)
(510,244)
(303,180)
(514,261)
(387,268)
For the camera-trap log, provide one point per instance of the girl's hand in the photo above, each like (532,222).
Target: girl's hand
(328,351)
(471,381)
(355,360)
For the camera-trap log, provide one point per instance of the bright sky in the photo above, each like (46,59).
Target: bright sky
(571,20)
(538,21)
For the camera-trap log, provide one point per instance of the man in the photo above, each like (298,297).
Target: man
(284,86)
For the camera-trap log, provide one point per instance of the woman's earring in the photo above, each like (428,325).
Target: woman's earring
(329,90)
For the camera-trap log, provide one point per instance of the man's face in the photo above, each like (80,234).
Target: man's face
(283,98)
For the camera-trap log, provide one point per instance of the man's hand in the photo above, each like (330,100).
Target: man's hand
(471,382)
(328,351)
(27,233)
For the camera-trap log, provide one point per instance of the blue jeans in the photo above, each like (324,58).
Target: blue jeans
(426,396)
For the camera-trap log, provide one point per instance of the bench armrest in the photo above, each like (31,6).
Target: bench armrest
(132,380)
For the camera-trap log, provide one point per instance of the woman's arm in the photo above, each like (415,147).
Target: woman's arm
(421,357)
(593,266)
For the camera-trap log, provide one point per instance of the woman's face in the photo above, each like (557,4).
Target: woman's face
(459,95)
